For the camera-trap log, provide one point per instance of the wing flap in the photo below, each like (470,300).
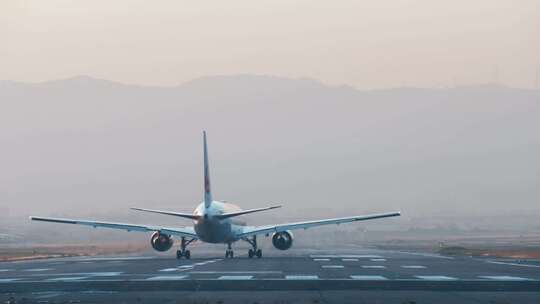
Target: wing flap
(181,231)
(309,224)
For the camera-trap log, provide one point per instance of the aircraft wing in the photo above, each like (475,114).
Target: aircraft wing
(250,231)
(181,231)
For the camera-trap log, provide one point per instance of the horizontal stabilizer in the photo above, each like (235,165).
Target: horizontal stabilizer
(185,215)
(233,214)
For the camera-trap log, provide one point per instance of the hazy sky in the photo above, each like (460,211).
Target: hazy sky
(367,44)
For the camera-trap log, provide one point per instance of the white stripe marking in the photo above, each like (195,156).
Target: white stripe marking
(66,279)
(93,274)
(235,272)
(169,269)
(229,277)
(116,259)
(38,269)
(301,277)
(4,270)
(349,260)
(436,278)
(186,266)
(378,260)
(352,256)
(332,266)
(9,280)
(513,264)
(374,266)
(368,277)
(413,266)
(321,260)
(165,278)
(504,278)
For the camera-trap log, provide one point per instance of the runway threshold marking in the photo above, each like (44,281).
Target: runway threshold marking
(436,278)
(302,277)
(4,270)
(374,266)
(332,266)
(38,269)
(368,277)
(378,260)
(239,277)
(413,266)
(167,278)
(504,278)
(321,260)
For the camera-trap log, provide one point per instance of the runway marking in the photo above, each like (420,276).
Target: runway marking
(513,264)
(378,260)
(247,277)
(165,278)
(332,266)
(169,269)
(64,279)
(321,260)
(373,266)
(436,278)
(349,260)
(368,277)
(38,269)
(115,259)
(413,266)
(504,278)
(237,272)
(301,277)
(91,274)
(9,280)
(431,255)
(4,270)
(346,256)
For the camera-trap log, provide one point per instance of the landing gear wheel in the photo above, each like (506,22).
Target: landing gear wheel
(258,253)
(229,254)
(187,254)
(178,254)
(251,253)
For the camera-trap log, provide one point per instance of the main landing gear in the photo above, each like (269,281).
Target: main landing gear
(229,253)
(182,252)
(254,251)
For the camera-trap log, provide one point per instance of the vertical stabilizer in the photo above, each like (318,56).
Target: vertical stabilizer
(207,190)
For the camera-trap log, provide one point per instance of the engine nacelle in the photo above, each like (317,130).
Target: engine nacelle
(282,240)
(161,242)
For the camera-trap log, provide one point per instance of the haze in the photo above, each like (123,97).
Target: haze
(366,44)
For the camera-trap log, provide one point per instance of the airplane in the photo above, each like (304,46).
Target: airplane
(216,222)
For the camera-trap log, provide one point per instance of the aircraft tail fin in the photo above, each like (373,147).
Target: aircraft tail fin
(207,190)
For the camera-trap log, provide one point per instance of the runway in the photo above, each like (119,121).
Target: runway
(351,271)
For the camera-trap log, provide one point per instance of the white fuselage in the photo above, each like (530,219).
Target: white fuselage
(213,230)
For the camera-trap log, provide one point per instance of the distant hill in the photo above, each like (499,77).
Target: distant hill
(92,147)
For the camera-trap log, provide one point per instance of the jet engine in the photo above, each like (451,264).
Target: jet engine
(161,242)
(282,240)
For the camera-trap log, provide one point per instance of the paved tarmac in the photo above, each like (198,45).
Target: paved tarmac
(291,277)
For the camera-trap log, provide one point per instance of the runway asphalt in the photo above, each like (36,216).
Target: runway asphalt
(400,273)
